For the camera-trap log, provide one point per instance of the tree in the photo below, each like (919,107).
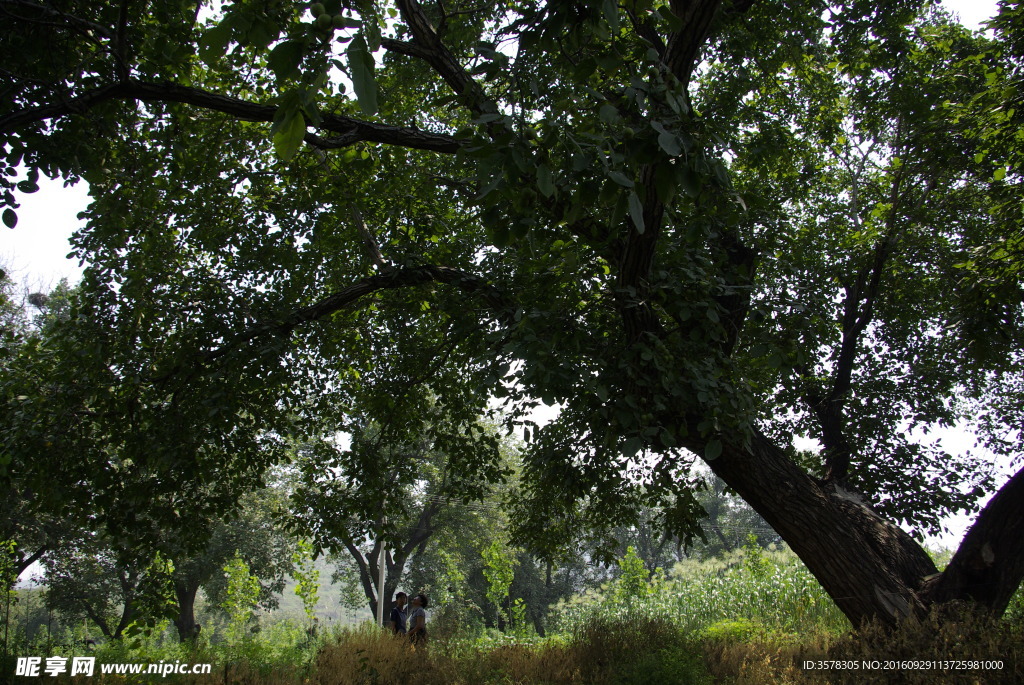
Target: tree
(241,594)
(90,576)
(499,570)
(33,528)
(378,499)
(252,534)
(307,578)
(700,227)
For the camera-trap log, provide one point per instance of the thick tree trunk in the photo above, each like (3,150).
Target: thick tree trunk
(186,620)
(871,568)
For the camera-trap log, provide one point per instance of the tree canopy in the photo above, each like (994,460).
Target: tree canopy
(700,227)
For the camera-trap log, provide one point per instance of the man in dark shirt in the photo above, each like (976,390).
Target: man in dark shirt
(398,614)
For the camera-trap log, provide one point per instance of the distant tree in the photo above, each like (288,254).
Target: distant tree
(90,576)
(377,499)
(57,407)
(253,534)
(499,570)
(307,579)
(241,593)
(30,509)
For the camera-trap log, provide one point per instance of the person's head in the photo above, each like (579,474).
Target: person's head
(400,599)
(420,600)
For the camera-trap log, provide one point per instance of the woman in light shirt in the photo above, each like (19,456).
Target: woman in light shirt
(417,620)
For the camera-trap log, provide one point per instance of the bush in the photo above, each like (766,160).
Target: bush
(772,589)
(732,630)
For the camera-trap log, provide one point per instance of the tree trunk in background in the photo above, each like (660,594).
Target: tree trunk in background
(186,620)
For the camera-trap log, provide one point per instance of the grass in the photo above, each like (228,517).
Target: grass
(876,655)
(767,591)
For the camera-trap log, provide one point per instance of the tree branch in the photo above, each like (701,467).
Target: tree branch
(350,130)
(48,15)
(427,46)
(370,243)
(364,569)
(25,562)
(397,278)
(684,45)
(988,567)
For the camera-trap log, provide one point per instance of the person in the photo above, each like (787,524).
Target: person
(398,614)
(418,620)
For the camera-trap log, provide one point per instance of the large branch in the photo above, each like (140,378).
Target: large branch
(427,46)
(684,45)
(364,569)
(988,567)
(22,564)
(637,257)
(831,531)
(398,278)
(349,130)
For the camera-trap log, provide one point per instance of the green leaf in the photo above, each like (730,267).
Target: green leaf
(713,450)
(611,13)
(670,144)
(999,174)
(636,211)
(691,182)
(288,137)
(545,181)
(214,43)
(284,59)
(665,182)
(620,178)
(361,66)
(10,218)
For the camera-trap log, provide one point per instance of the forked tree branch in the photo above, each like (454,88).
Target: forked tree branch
(427,46)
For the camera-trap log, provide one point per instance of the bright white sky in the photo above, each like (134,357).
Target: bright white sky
(34,252)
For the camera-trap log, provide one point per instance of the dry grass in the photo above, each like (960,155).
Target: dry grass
(971,638)
(639,652)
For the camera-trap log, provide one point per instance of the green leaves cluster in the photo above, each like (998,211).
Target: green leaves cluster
(307,577)
(499,570)
(243,590)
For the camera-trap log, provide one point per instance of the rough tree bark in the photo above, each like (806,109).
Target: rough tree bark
(186,624)
(871,568)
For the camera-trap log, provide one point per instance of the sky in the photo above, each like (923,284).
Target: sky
(35,251)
